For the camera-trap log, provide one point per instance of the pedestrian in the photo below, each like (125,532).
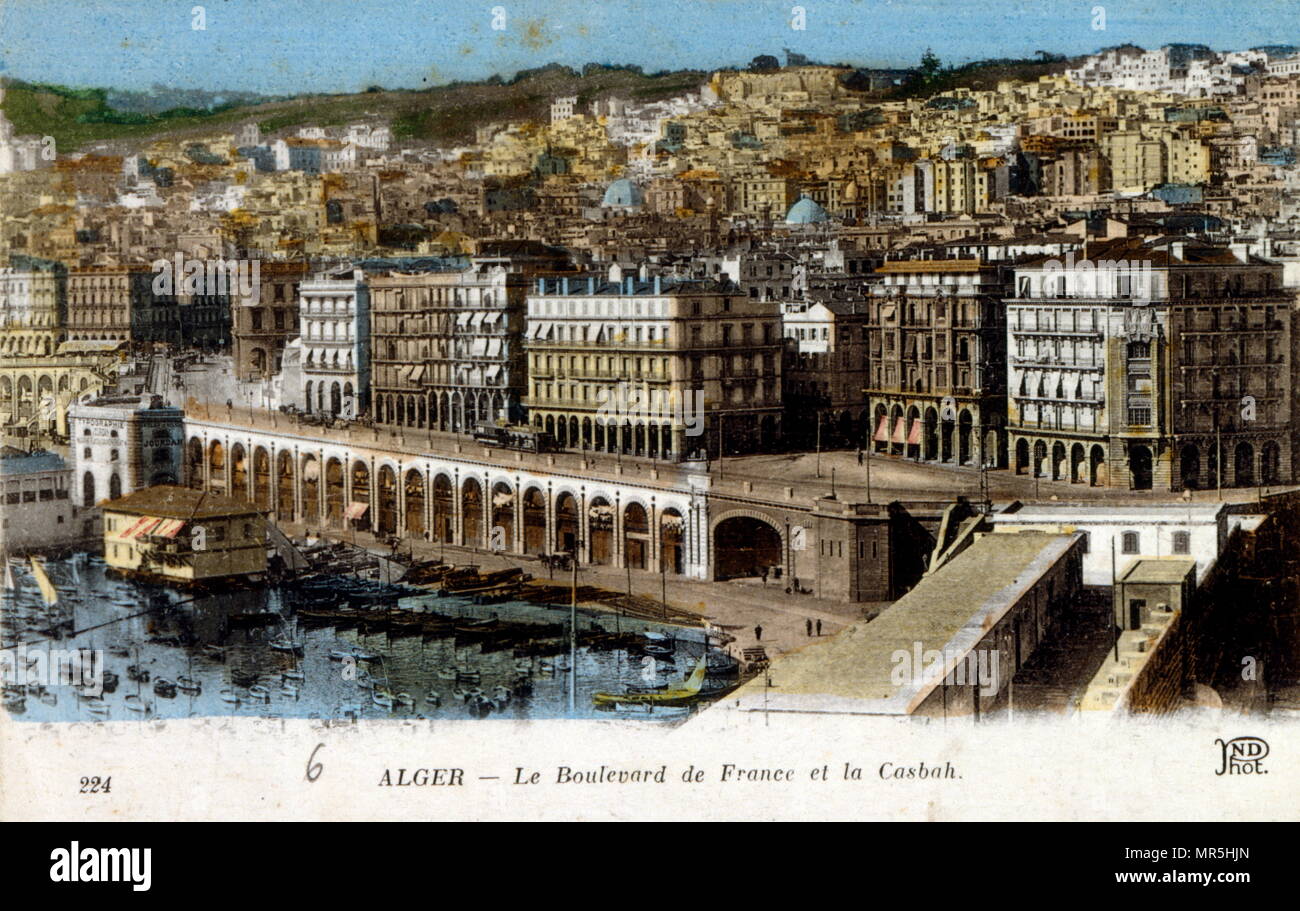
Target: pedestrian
(859,455)
(808,626)
(758,633)
(763,573)
(819,626)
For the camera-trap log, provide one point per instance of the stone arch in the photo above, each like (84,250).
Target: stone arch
(194,463)
(742,542)
(217,467)
(1140,467)
(261,477)
(1022,455)
(413,492)
(672,534)
(284,483)
(1078,464)
(1058,461)
(335,492)
(238,472)
(534,521)
(88,489)
(636,535)
(568,526)
(386,497)
(471,510)
(310,489)
(1098,475)
(600,524)
(444,508)
(1243,464)
(503,512)
(1270,463)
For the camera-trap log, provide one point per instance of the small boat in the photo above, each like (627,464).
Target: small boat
(446,673)
(295,675)
(433,698)
(111,681)
(136,674)
(215,652)
(189,686)
(405,698)
(283,644)
(230,696)
(136,704)
(97,707)
(120,651)
(48,697)
(259,693)
(290,691)
(383,698)
(164,688)
(464,676)
(687,693)
(365,681)
(15,701)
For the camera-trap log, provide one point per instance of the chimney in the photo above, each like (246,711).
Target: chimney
(645,272)
(658,285)
(564,285)
(1178,249)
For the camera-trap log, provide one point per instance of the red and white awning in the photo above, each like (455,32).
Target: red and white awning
(356,510)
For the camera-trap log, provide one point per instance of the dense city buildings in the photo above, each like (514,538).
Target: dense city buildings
(261,327)
(653,366)
(334,328)
(937,356)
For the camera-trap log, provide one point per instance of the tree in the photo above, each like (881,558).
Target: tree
(930,66)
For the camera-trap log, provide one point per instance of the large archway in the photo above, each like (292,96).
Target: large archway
(387,498)
(471,506)
(443,508)
(1270,463)
(261,478)
(600,521)
(636,536)
(534,521)
(359,508)
(194,464)
(217,467)
(1243,460)
(284,484)
(671,529)
(566,523)
(238,472)
(414,504)
(744,546)
(1140,467)
(503,514)
(334,493)
(310,489)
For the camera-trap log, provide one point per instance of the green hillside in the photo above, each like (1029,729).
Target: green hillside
(445,114)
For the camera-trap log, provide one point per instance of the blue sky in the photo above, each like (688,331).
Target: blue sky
(289,46)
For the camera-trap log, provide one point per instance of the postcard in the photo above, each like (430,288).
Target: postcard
(639,410)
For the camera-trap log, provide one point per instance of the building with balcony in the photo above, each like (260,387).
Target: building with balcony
(447,344)
(33,307)
(102,302)
(653,366)
(260,328)
(334,325)
(937,361)
(1143,366)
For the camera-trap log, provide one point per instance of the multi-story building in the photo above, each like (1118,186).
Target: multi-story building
(183,535)
(122,443)
(1142,366)
(260,328)
(33,307)
(654,367)
(334,325)
(447,346)
(937,360)
(38,510)
(825,371)
(102,302)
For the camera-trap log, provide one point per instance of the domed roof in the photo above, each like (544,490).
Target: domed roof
(623,192)
(806,212)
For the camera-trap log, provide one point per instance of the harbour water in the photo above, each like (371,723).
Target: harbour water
(279,667)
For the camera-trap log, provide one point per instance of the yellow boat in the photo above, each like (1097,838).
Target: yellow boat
(685,694)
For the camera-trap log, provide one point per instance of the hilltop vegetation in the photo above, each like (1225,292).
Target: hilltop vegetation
(444,114)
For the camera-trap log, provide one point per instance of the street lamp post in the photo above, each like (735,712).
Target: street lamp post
(573,632)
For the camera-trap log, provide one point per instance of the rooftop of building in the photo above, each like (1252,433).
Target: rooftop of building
(1087,512)
(16,461)
(1159,572)
(167,501)
(951,611)
(630,286)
